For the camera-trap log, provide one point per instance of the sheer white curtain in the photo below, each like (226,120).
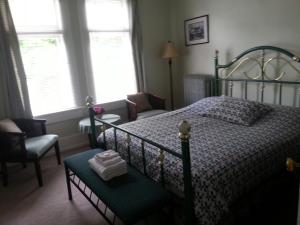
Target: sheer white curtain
(14,97)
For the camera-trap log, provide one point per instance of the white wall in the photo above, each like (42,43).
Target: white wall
(156,31)
(235,25)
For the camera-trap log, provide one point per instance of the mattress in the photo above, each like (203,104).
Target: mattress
(227,160)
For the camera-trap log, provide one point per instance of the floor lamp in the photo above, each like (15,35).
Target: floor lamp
(170,52)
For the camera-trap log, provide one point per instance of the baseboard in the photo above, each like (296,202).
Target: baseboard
(71,142)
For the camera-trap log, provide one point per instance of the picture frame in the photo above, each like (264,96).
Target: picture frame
(196,30)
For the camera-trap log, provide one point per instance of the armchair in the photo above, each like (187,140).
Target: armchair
(143,105)
(25,140)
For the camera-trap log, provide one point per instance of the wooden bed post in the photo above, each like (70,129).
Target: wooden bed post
(90,104)
(216,90)
(184,135)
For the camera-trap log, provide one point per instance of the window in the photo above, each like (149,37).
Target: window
(110,47)
(39,27)
(58,75)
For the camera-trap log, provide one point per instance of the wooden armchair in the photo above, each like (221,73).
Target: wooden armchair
(143,105)
(25,140)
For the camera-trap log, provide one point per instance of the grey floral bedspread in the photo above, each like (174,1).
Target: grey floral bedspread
(227,159)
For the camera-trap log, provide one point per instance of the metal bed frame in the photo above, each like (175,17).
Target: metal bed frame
(184,127)
(262,78)
(184,156)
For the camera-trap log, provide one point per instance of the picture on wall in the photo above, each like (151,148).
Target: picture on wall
(196,30)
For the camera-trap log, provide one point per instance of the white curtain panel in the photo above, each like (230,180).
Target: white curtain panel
(14,98)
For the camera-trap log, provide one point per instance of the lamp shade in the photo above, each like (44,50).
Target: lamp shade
(169,51)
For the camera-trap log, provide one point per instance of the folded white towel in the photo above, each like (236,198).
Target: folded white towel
(106,155)
(108,162)
(109,172)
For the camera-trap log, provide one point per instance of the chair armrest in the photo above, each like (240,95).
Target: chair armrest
(32,127)
(157,102)
(132,110)
(12,141)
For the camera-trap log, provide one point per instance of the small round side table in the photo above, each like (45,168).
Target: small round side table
(85,124)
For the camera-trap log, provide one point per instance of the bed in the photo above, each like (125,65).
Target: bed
(216,162)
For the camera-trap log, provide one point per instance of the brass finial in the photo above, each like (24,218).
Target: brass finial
(216,53)
(290,165)
(161,157)
(89,101)
(184,130)
(103,128)
(128,140)
(296,58)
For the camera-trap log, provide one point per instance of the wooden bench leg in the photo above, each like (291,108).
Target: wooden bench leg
(38,172)
(68,183)
(4,173)
(57,152)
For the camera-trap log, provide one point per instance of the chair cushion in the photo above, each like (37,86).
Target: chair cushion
(131,196)
(7,125)
(149,113)
(37,146)
(141,100)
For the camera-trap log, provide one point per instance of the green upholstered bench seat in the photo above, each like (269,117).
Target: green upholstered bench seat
(131,197)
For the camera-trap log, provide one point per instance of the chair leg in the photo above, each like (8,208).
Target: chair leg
(57,152)
(4,173)
(38,172)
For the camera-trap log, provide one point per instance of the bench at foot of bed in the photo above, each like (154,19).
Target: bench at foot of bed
(131,197)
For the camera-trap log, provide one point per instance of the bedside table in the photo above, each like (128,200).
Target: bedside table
(85,124)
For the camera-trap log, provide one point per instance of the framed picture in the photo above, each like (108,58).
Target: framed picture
(196,30)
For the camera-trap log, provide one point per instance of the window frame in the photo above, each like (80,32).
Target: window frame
(89,31)
(60,33)
(76,35)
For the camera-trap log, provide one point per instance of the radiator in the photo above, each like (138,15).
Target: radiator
(196,87)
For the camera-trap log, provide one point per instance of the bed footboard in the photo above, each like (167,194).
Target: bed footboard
(184,156)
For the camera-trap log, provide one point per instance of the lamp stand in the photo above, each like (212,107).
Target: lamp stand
(171,83)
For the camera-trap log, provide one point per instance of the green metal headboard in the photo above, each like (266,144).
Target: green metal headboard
(263,61)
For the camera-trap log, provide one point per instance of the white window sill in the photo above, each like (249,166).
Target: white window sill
(78,113)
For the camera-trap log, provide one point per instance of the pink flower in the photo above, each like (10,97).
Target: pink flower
(98,109)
